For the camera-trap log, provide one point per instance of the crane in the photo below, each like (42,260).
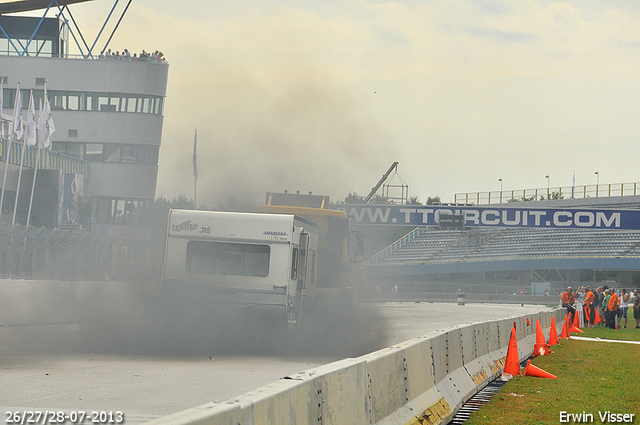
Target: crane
(385,176)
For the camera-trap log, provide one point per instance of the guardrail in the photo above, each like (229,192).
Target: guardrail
(394,246)
(421,381)
(549,193)
(37,253)
(80,56)
(49,160)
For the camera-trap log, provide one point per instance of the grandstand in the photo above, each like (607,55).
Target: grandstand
(436,246)
(522,255)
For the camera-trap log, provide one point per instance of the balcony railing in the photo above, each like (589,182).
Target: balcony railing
(78,56)
(48,160)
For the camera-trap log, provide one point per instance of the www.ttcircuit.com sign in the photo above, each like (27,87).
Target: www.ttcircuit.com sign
(566,218)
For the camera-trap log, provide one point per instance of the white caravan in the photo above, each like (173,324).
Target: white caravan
(266,260)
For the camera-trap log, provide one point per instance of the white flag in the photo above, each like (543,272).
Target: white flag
(17,115)
(40,122)
(31,122)
(49,126)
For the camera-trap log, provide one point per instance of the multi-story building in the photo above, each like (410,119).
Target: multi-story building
(108,116)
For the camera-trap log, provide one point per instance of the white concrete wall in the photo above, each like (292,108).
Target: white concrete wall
(428,377)
(421,381)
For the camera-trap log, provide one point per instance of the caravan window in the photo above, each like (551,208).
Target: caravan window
(228,258)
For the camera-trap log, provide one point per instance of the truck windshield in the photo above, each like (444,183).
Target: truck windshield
(228,258)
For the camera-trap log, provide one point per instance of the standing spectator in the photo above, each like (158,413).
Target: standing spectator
(589,307)
(605,304)
(636,308)
(624,306)
(580,294)
(598,304)
(612,309)
(568,299)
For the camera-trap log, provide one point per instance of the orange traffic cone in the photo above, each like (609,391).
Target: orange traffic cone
(553,332)
(528,322)
(532,370)
(540,348)
(576,324)
(597,319)
(564,334)
(512,363)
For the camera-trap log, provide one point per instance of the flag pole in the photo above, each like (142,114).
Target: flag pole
(25,136)
(17,128)
(6,167)
(8,151)
(15,206)
(195,170)
(35,170)
(33,185)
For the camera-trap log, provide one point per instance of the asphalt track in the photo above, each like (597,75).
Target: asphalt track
(49,367)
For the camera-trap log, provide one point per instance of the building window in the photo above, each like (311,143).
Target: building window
(36,47)
(109,152)
(120,211)
(93,152)
(80,101)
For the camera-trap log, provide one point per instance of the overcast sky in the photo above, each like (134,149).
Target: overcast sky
(323,96)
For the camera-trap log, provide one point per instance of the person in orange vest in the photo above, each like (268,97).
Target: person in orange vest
(589,307)
(612,309)
(568,298)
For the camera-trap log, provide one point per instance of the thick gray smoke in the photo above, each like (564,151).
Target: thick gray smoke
(136,322)
(298,131)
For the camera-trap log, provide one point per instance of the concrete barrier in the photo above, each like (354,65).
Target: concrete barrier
(421,381)
(469,297)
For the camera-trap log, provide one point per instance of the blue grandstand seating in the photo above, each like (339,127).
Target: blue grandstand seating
(433,245)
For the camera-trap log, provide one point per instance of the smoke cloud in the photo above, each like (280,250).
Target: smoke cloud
(300,132)
(134,320)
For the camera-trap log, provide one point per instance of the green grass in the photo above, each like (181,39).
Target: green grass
(592,376)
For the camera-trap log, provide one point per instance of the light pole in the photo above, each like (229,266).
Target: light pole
(500,180)
(597,182)
(548,194)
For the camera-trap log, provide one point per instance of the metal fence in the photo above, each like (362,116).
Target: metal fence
(48,160)
(549,193)
(56,254)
